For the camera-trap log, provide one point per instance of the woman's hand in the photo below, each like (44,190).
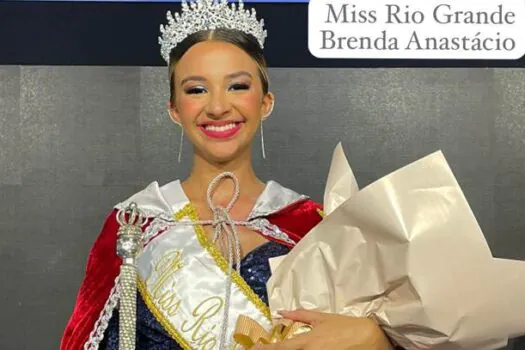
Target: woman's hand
(334,332)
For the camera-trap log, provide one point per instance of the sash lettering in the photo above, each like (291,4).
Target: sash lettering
(183,285)
(204,311)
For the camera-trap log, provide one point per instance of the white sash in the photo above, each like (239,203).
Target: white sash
(182,279)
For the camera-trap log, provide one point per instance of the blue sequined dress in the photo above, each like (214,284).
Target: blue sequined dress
(255,270)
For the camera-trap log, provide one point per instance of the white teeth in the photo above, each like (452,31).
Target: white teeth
(220,128)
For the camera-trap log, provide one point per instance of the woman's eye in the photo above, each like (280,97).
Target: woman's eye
(195,90)
(239,86)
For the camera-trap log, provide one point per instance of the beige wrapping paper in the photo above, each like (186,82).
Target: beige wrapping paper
(407,251)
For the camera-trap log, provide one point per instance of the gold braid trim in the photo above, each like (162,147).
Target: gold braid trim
(190,212)
(321,213)
(160,317)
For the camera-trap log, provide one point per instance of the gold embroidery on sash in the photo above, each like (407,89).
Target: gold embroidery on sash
(162,300)
(204,311)
(190,212)
(169,263)
(164,322)
(165,268)
(211,307)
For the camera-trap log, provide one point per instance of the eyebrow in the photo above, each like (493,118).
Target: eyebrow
(229,76)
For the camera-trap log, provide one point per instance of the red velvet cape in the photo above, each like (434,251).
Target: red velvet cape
(103,267)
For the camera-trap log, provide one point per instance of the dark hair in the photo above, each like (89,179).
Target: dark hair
(244,41)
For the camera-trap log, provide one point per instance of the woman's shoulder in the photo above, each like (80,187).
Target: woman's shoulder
(152,200)
(276,197)
(155,199)
(294,213)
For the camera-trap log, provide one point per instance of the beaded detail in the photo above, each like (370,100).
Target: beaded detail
(205,15)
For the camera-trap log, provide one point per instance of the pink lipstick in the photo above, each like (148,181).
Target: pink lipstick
(222,130)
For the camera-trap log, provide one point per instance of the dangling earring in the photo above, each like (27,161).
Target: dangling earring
(181,137)
(262,141)
(181,143)
(263,150)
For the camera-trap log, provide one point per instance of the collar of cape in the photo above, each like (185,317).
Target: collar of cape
(182,276)
(170,198)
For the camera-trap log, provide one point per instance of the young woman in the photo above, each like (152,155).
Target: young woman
(220,97)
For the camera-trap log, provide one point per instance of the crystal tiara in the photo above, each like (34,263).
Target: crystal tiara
(205,15)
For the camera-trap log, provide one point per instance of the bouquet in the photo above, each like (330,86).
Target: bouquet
(408,252)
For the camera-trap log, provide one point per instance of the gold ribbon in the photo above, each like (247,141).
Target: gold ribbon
(248,332)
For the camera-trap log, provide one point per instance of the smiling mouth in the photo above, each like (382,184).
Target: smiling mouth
(222,132)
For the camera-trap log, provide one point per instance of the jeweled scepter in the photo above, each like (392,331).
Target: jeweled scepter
(129,244)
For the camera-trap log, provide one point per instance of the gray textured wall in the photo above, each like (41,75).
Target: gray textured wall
(75,140)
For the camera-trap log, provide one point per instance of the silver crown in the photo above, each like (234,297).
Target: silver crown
(207,15)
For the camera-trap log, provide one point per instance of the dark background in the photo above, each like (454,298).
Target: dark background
(83,126)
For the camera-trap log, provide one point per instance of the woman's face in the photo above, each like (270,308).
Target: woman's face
(219,100)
